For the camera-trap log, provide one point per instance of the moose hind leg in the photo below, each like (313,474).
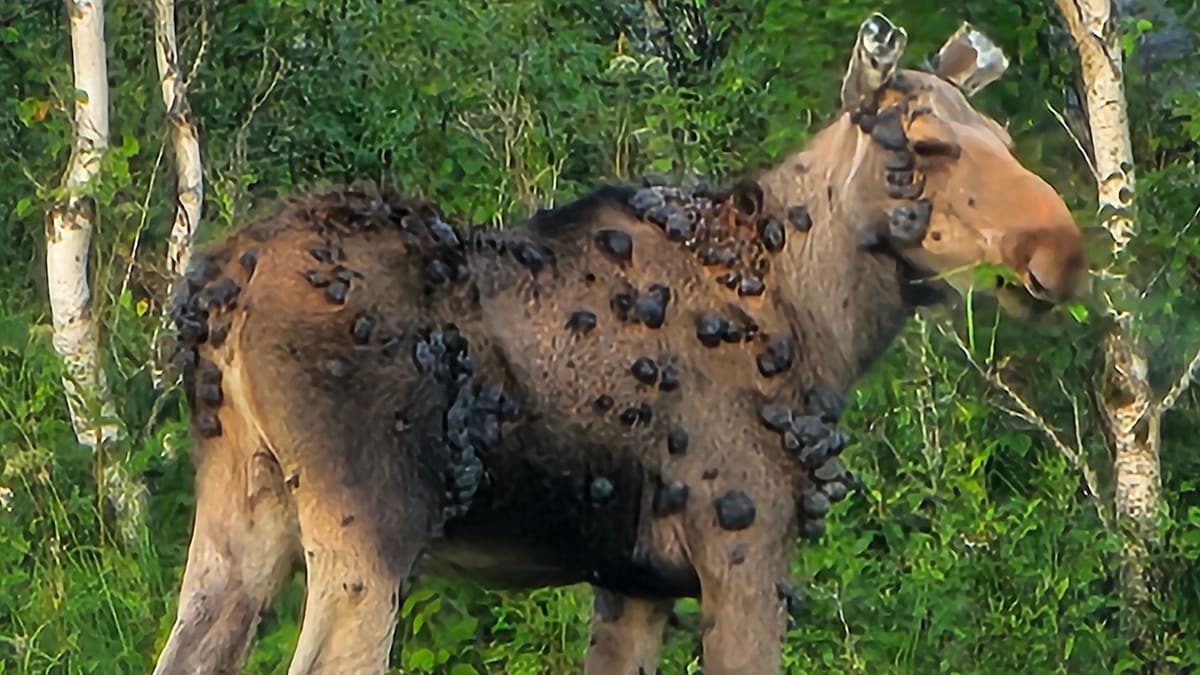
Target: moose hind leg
(243,545)
(627,634)
(352,599)
(362,528)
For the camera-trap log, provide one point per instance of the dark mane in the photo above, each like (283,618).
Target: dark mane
(557,220)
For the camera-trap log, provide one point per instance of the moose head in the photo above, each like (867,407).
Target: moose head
(911,166)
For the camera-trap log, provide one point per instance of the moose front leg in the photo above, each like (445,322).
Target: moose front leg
(752,476)
(627,633)
(741,550)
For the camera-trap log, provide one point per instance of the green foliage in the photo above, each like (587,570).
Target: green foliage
(976,548)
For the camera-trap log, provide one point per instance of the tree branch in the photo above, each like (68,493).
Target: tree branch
(189,174)
(1189,376)
(1025,411)
(1074,138)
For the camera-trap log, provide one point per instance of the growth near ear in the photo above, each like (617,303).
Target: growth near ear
(969,60)
(877,51)
(930,136)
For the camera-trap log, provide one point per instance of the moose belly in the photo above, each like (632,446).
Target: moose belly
(554,516)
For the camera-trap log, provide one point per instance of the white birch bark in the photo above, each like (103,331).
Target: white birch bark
(69,225)
(1128,410)
(185,144)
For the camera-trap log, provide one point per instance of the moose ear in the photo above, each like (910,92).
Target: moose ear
(969,60)
(877,50)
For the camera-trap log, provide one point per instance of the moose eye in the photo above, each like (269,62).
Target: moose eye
(932,147)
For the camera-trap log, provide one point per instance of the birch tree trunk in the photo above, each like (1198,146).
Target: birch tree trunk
(1128,410)
(69,225)
(189,177)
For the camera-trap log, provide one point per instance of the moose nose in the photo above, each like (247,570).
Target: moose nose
(1058,270)
(1037,287)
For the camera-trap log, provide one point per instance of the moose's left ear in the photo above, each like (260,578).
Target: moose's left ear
(969,60)
(877,50)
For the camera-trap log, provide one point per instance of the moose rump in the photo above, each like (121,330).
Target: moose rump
(288,396)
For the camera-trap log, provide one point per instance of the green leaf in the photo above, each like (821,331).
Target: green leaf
(1127,662)
(130,146)
(422,658)
(1078,311)
(986,273)
(1193,516)
(1060,589)
(462,630)
(418,596)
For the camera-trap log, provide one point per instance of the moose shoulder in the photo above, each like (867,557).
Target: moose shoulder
(638,389)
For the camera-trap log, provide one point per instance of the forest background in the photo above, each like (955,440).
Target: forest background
(979,545)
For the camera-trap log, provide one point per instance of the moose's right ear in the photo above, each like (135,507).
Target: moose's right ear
(969,60)
(877,51)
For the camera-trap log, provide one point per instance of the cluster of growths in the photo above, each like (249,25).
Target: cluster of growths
(713,328)
(714,229)
(196,312)
(472,422)
(816,443)
(197,297)
(533,257)
(649,307)
(906,224)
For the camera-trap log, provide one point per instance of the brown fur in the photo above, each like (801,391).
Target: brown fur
(345,355)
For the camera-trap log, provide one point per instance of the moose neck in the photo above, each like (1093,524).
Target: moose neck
(845,303)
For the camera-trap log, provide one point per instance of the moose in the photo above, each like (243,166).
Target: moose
(639,389)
